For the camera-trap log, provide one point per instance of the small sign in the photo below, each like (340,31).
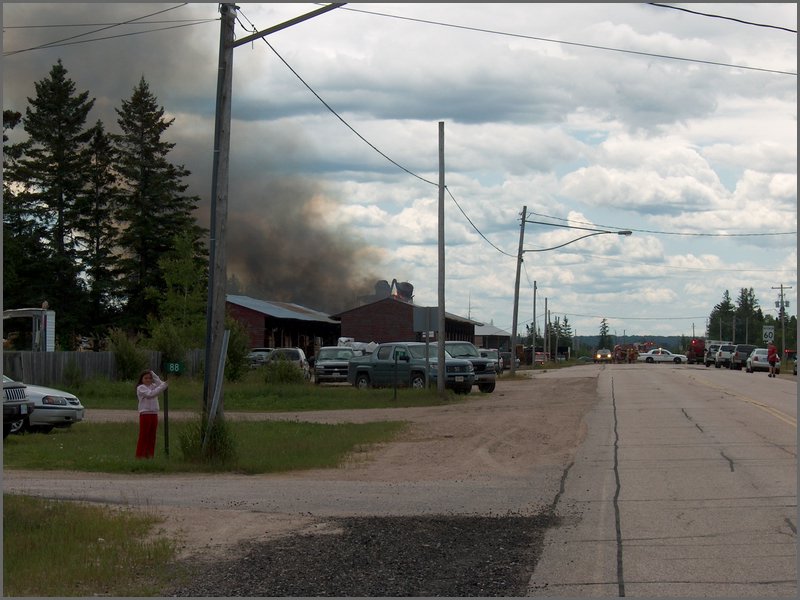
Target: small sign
(174,367)
(769,333)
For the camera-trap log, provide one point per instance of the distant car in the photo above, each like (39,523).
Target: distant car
(757,361)
(723,356)
(330,364)
(494,354)
(739,355)
(258,356)
(293,355)
(16,404)
(485,373)
(662,355)
(602,355)
(52,408)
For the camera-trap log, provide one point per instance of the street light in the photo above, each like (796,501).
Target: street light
(592,231)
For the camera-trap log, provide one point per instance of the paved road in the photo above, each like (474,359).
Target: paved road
(685,486)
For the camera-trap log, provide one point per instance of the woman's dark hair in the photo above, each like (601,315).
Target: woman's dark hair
(141,377)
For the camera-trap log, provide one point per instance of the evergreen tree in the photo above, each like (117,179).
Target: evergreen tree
(153,207)
(97,232)
(720,322)
(605,340)
(49,177)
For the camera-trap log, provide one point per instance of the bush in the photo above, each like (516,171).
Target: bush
(219,449)
(236,364)
(167,338)
(130,360)
(283,371)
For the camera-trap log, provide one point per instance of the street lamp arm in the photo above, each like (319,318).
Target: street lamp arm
(576,239)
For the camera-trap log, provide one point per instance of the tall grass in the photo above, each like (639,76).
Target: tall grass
(64,549)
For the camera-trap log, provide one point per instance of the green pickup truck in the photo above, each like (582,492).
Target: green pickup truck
(403,364)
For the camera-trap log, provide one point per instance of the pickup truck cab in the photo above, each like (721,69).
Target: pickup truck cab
(404,364)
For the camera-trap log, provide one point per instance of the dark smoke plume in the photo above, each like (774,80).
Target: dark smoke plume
(280,248)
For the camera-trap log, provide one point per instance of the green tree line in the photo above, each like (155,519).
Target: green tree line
(98,223)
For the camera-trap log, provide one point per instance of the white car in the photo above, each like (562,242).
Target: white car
(661,355)
(757,361)
(52,408)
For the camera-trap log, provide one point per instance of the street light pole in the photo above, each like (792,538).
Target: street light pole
(521,251)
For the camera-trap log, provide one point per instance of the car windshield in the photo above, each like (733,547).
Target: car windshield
(335,354)
(459,350)
(419,352)
(489,354)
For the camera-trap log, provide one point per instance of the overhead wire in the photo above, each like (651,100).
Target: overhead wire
(696,12)
(68,41)
(568,43)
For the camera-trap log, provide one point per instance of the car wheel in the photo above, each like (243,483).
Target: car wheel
(362,382)
(418,381)
(486,388)
(677,361)
(649,359)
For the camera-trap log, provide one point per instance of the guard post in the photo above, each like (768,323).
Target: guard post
(171,368)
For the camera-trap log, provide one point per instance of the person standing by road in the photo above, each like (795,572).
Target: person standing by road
(772,358)
(148,388)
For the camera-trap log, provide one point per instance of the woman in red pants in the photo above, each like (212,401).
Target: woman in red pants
(148,388)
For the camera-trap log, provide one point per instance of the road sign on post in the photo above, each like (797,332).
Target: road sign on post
(769,333)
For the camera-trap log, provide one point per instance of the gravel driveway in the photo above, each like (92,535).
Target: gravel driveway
(457,507)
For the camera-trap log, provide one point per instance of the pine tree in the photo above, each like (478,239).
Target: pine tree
(97,231)
(153,207)
(49,177)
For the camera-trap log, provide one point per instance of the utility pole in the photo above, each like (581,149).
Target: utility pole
(217,264)
(533,330)
(516,294)
(217,275)
(440,338)
(783,306)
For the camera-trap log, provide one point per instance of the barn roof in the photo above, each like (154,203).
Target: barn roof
(280,310)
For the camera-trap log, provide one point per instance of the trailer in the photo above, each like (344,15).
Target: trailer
(38,336)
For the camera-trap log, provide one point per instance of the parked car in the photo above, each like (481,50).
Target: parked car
(404,364)
(494,354)
(739,355)
(52,408)
(602,355)
(485,375)
(258,357)
(330,364)
(723,356)
(757,361)
(16,404)
(293,355)
(662,355)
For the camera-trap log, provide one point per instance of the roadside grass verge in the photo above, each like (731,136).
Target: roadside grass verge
(254,394)
(61,549)
(261,447)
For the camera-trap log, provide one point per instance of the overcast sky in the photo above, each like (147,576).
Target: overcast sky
(680,127)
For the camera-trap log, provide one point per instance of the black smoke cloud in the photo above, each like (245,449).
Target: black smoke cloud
(281,248)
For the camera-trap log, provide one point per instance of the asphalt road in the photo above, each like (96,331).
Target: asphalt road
(686,486)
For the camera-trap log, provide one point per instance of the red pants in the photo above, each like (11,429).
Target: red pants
(148,425)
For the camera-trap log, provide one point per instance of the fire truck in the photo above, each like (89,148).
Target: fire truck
(696,351)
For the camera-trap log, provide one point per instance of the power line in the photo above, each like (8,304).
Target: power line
(567,43)
(680,233)
(695,12)
(68,41)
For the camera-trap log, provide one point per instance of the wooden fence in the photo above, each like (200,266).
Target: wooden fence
(49,368)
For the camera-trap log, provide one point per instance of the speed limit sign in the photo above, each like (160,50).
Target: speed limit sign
(769,333)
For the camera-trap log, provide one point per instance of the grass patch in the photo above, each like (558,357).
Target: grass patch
(54,548)
(254,394)
(261,447)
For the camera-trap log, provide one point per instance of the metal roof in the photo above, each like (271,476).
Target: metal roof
(280,310)
(487,330)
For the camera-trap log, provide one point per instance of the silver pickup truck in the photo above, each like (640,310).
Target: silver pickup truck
(404,364)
